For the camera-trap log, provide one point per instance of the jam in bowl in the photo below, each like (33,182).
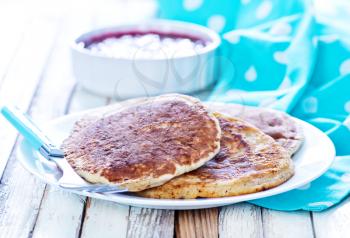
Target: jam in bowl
(145,59)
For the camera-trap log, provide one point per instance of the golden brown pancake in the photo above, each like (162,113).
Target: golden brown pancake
(279,125)
(276,124)
(249,161)
(144,143)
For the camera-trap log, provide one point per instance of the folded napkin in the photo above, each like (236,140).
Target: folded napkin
(288,55)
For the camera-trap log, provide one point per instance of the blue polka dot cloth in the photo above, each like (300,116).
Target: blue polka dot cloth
(290,55)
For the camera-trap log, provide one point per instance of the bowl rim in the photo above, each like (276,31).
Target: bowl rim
(214,38)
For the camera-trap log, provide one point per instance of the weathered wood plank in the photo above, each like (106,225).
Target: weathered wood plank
(201,223)
(70,205)
(56,206)
(105,219)
(52,98)
(286,224)
(58,87)
(23,76)
(150,223)
(19,201)
(14,35)
(334,222)
(246,220)
(53,220)
(241,220)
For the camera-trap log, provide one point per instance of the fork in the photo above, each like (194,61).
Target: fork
(64,175)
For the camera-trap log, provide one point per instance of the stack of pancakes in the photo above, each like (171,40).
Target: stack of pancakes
(174,146)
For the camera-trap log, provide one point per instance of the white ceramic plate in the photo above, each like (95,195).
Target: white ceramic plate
(311,161)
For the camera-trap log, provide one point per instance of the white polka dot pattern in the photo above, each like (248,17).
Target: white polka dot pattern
(216,22)
(347,106)
(251,74)
(191,5)
(264,9)
(345,67)
(310,105)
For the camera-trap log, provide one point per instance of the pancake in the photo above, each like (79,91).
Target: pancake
(276,124)
(279,125)
(249,161)
(143,143)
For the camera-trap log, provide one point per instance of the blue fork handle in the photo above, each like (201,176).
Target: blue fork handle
(31,132)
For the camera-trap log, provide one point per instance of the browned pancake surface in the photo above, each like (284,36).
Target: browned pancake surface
(248,161)
(237,156)
(144,142)
(276,124)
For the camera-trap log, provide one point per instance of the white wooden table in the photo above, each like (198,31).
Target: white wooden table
(35,75)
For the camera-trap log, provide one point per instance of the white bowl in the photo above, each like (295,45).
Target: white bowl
(122,78)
